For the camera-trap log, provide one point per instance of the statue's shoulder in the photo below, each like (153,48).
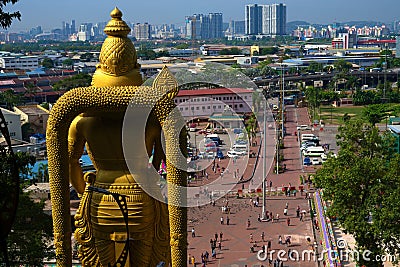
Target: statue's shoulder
(166,84)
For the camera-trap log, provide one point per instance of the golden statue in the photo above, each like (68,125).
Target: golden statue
(96,116)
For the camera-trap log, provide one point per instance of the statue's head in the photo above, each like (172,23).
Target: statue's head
(118,62)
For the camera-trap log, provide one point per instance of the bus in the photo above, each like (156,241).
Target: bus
(316,151)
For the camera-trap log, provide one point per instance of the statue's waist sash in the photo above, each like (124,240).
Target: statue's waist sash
(107,219)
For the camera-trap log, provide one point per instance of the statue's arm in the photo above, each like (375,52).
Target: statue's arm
(76,144)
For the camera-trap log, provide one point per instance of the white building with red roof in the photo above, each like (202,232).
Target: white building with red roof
(204,103)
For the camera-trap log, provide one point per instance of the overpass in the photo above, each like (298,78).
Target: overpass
(291,81)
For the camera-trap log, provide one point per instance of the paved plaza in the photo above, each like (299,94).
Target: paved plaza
(243,238)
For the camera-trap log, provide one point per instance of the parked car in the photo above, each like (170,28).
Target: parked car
(316,161)
(307,161)
(234,154)
(210,155)
(204,131)
(303,127)
(219,131)
(237,131)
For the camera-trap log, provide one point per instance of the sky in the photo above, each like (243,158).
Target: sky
(50,13)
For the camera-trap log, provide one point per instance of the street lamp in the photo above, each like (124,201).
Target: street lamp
(283,97)
(264,173)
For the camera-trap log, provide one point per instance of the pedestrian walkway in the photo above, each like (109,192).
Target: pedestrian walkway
(241,242)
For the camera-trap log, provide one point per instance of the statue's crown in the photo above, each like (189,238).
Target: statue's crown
(116,26)
(118,63)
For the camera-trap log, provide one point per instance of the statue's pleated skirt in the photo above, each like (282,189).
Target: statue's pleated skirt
(109,227)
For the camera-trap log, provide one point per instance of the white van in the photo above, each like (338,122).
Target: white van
(238,147)
(317,151)
(305,137)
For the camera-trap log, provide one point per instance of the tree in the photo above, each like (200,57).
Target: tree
(251,127)
(6,18)
(31,234)
(342,66)
(358,185)
(374,113)
(86,57)
(47,63)
(10,99)
(11,168)
(68,62)
(315,67)
(231,51)
(79,80)
(182,46)
(269,50)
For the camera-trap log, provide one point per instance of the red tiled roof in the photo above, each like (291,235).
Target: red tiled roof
(215,91)
(7,82)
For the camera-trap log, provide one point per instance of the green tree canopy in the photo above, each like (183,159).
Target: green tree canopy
(374,113)
(182,46)
(6,18)
(342,66)
(231,51)
(269,50)
(79,80)
(10,99)
(47,63)
(68,62)
(315,66)
(358,184)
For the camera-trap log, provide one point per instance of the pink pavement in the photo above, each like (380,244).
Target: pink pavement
(236,241)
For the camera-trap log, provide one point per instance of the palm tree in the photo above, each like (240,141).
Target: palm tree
(251,127)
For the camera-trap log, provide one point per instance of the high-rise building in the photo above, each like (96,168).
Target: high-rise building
(73,27)
(66,29)
(84,33)
(200,26)
(265,19)
(278,19)
(236,27)
(253,19)
(216,25)
(398,46)
(141,31)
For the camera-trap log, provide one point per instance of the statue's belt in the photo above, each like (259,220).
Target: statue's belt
(122,236)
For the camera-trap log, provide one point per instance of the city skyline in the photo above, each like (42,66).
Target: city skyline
(174,12)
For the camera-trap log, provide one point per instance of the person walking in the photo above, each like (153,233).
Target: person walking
(285,211)
(288,221)
(262,237)
(227,220)
(277,217)
(219,245)
(248,223)
(222,220)
(220,236)
(251,237)
(216,236)
(193,233)
(301,217)
(298,211)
